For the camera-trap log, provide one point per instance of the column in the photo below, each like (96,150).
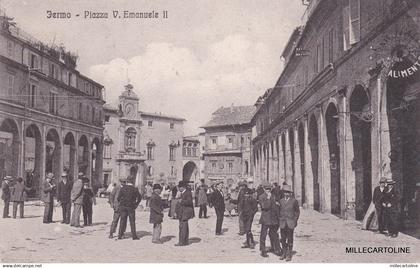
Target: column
(282,176)
(89,166)
(99,163)
(43,155)
(309,178)
(324,166)
(275,162)
(288,167)
(297,165)
(21,158)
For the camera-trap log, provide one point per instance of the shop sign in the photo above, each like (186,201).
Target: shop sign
(404,73)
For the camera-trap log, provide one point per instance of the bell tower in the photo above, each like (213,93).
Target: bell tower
(129,103)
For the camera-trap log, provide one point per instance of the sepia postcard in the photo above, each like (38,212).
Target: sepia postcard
(240,131)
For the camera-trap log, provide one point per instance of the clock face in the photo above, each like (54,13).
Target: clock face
(129,110)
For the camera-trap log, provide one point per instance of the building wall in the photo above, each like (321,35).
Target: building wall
(363,66)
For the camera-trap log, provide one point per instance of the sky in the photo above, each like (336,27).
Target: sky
(206,54)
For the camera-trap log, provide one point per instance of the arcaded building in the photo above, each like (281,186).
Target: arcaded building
(345,110)
(50,114)
(143,144)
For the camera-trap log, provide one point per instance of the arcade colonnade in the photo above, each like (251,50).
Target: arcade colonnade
(32,148)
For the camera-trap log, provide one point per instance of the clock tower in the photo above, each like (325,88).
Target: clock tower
(129,103)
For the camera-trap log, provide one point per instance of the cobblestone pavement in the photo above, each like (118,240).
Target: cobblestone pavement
(318,238)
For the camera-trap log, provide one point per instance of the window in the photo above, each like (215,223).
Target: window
(80,111)
(10,85)
(172,170)
(194,152)
(184,151)
(172,151)
(107,117)
(53,103)
(230,167)
(213,166)
(213,142)
(230,142)
(32,95)
(171,125)
(107,151)
(331,46)
(150,123)
(188,151)
(351,23)
(150,170)
(150,152)
(315,59)
(10,48)
(53,71)
(320,55)
(70,78)
(93,114)
(34,61)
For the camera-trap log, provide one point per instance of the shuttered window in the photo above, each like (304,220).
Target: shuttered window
(346,25)
(351,23)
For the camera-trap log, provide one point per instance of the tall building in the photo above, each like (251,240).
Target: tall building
(227,153)
(50,114)
(143,144)
(345,110)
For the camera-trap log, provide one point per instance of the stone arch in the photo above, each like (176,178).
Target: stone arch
(34,159)
(83,154)
(10,143)
(359,104)
(189,171)
(69,153)
(53,161)
(332,129)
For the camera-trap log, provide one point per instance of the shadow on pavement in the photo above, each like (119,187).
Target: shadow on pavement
(99,223)
(167,238)
(140,234)
(224,230)
(193,240)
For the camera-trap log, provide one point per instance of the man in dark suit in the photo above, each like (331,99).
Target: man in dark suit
(115,205)
(289,215)
(391,205)
(378,194)
(242,189)
(185,211)
(63,197)
(249,208)
(47,196)
(129,198)
(269,221)
(77,199)
(156,213)
(6,195)
(218,201)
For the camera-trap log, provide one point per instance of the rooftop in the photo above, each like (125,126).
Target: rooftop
(234,115)
(160,115)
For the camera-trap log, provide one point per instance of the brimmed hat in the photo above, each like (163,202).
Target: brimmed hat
(182,184)
(157,186)
(85,179)
(287,188)
(80,175)
(50,175)
(131,179)
(383,180)
(8,178)
(64,174)
(266,185)
(122,179)
(390,181)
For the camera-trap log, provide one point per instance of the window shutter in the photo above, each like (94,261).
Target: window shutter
(346,26)
(354,21)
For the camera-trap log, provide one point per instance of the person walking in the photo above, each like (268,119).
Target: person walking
(18,197)
(202,200)
(218,201)
(269,221)
(289,215)
(185,212)
(88,201)
(64,197)
(243,187)
(47,196)
(115,205)
(77,199)
(390,203)
(249,207)
(156,213)
(129,198)
(378,194)
(6,195)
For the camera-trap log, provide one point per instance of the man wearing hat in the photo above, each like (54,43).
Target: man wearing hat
(129,198)
(115,205)
(6,195)
(88,201)
(185,211)
(47,196)
(378,194)
(269,220)
(243,187)
(288,217)
(77,199)
(390,204)
(64,197)
(249,207)
(156,214)
(218,201)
